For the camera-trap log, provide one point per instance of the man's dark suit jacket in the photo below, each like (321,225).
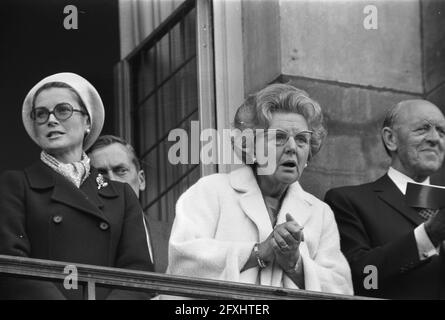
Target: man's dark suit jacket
(44,216)
(159,233)
(377,228)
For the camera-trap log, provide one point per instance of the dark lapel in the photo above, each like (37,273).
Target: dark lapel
(96,195)
(86,199)
(389,193)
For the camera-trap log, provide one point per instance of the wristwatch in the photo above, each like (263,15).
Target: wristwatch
(261,263)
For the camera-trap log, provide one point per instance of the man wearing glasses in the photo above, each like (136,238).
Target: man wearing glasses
(379,231)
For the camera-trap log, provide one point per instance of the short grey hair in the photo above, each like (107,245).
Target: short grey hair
(390,120)
(257,110)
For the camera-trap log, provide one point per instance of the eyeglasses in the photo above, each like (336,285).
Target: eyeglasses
(302,138)
(61,111)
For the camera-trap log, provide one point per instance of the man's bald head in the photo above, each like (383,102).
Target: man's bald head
(402,108)
(413,134)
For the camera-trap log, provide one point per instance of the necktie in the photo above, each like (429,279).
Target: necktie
(427,213)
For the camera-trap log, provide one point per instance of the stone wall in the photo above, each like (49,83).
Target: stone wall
(356,74)
(352,152)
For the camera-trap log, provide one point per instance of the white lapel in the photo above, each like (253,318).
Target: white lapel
(251,200)
(252,203)
(296,202)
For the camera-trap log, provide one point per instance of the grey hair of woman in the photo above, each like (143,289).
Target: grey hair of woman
(257,110)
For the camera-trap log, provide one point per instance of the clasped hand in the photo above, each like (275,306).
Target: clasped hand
(283,243)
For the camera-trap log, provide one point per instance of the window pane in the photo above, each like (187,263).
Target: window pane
(165,97)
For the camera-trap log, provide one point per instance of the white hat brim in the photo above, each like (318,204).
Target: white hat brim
(89,95)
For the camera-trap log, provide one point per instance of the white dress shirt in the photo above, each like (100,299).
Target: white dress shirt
(424,245)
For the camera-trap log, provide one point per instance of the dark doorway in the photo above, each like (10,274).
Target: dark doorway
(35,44)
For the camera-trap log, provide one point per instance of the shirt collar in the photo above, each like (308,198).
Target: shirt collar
(401,180)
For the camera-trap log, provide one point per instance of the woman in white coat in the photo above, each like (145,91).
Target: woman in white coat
(256,225)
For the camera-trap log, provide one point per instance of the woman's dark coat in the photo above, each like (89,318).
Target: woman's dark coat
(44,216)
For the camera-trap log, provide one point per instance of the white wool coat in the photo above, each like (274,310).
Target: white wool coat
(221,217)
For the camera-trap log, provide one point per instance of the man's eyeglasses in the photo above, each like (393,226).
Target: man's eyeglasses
(302,138)
(61,111)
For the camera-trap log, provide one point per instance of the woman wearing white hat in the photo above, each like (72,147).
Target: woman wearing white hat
(60,208)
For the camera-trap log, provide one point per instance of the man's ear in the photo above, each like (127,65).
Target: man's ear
(390,139)
(141,177)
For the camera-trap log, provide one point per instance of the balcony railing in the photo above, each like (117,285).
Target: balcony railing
(153,282)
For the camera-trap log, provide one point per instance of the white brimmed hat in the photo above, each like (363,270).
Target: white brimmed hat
(90,98)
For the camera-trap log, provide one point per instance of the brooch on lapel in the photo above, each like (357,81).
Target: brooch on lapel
(101,183)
